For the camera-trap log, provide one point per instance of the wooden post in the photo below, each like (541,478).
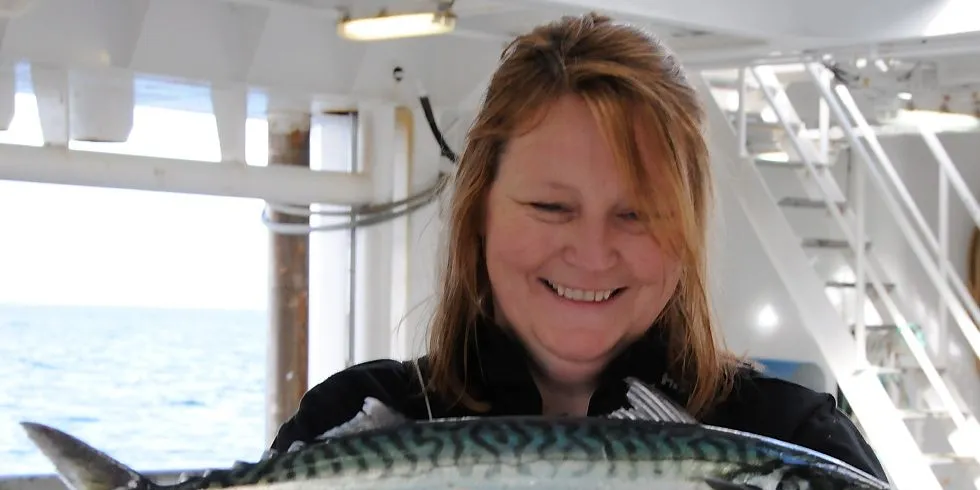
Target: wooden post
(288,351)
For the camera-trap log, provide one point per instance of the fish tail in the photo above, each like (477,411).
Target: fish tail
(81,466)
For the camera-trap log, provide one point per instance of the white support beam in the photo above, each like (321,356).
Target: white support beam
(241,30)
(330,253)
(401,189)
(121,25)
(3,30)
(230,107)
(8,93)
(373,244)
(51,91)
(424,241)
(100,105)
(53,165)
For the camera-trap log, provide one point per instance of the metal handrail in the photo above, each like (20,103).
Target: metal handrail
(899,451)
(969,303)
(950,175)
(918,351)
(957,309)
(951,172)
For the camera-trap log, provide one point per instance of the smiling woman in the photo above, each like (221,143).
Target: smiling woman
(576,260)
(595,178)
(561,228)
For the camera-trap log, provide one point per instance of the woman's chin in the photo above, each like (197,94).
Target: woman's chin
(570,361)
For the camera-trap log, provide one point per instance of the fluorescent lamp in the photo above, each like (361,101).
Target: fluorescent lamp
(773,156)
(937,121)
(396,26)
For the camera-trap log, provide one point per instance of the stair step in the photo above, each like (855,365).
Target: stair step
(844,284)
(948,458)
(806,202)
(901,370)
(753,120)
(764,125)
(885,327)
(833,243)
(765,162)
(915,414)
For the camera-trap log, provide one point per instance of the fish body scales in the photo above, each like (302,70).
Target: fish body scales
(522,451)
(495,453)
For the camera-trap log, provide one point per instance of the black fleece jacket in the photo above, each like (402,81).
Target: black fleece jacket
(499,374)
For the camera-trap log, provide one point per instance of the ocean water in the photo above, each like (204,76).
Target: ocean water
(157,389)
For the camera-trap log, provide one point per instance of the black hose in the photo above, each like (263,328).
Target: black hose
(444,148)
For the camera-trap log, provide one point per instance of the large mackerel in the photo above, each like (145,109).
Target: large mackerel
(496,453)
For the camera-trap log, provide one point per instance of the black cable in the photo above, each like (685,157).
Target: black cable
(444,148)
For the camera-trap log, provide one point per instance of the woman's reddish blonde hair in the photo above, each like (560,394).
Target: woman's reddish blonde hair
(634,87)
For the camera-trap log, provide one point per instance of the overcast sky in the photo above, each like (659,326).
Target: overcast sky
(91,246)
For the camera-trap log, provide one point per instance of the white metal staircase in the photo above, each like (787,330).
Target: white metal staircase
(888,391)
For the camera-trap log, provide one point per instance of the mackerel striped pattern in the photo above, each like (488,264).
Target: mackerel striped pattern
(534,449)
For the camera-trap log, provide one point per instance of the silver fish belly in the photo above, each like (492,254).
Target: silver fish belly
(513,452)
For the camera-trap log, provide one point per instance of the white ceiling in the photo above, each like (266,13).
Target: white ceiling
(179,49)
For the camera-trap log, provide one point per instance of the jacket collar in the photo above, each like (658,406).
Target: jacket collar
(500,373)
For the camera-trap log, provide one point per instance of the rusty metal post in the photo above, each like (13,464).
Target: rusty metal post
(288,351)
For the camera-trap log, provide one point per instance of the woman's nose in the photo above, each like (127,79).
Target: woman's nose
(591,245)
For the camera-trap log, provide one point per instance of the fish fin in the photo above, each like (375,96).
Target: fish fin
(373,415)
(649,403)
(718,484)
(81,466)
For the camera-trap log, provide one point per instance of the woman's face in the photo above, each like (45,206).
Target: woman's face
(573,272)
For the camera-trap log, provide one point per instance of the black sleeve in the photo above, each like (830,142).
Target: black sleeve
(829,431)
(340,397)
(768,406)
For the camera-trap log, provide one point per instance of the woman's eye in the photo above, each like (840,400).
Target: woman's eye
(548,207)
(631,215)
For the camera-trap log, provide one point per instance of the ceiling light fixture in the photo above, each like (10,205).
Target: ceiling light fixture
(386,26)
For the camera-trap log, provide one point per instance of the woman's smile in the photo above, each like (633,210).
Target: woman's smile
(582,297)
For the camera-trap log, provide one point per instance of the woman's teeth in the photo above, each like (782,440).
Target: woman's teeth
(595,296)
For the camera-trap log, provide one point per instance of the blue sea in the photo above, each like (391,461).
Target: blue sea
(158,389)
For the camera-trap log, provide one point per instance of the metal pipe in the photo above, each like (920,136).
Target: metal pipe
(860,271)
(824,123)
(289,277)
(742,127)
(943,325)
